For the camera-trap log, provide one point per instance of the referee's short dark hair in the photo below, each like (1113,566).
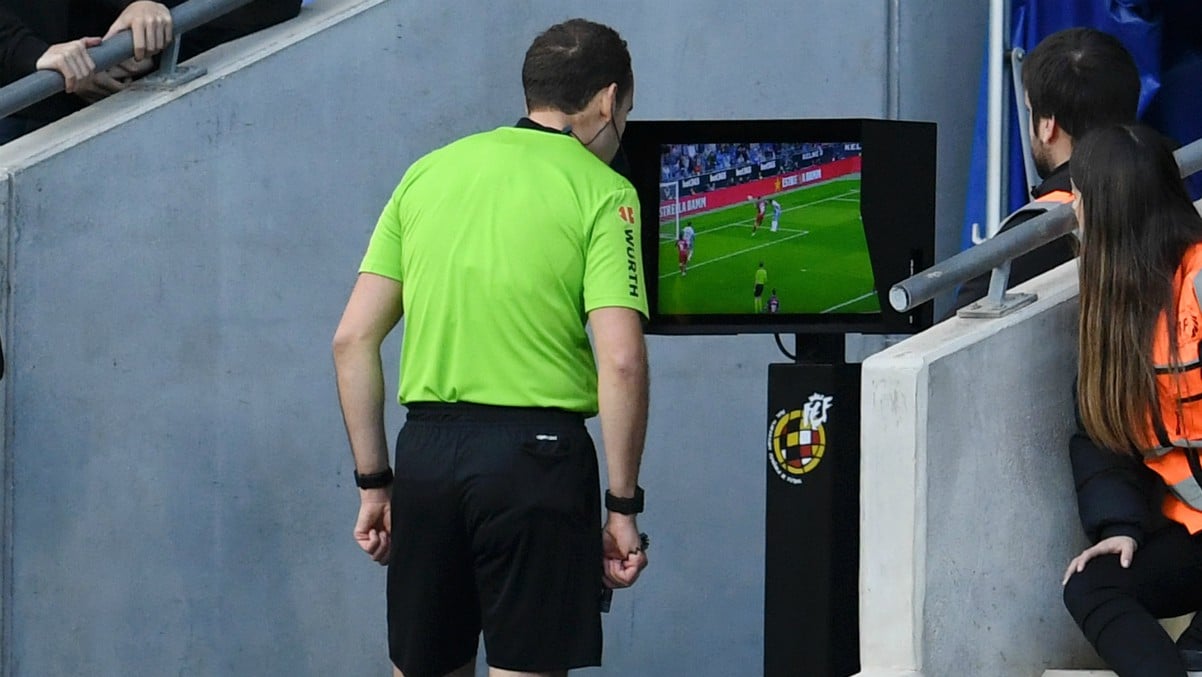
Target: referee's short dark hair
(1082,77)
(570,62)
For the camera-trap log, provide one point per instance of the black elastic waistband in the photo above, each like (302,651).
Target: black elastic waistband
(467,412)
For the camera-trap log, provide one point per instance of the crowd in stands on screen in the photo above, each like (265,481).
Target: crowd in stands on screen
(56,34)
(681,161)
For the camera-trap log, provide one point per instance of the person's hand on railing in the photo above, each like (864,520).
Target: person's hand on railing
(97,86)
(105,83)
(131,69)
(70,59)
(150,25)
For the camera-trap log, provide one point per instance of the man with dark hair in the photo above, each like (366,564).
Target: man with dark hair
(1074,81)
(495,500)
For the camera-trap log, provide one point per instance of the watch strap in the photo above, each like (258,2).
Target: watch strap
(375,480)
(625,506)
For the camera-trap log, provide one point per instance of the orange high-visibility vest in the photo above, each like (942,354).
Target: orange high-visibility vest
(1179,387)
(1060,196)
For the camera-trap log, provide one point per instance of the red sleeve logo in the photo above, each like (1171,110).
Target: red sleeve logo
(626,214)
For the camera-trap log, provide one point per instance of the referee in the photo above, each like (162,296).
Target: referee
(499,248)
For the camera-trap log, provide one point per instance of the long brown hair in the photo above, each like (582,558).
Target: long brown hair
(1138,224)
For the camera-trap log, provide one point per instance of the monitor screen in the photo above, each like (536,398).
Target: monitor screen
(796,226)
(763,228)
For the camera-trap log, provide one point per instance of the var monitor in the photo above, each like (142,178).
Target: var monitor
(796,226)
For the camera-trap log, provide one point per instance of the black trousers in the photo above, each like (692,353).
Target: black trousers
(1118,608)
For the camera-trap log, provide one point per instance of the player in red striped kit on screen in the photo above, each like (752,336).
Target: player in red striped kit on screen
(761,206)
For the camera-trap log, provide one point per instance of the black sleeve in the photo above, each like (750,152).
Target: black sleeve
(114,6)
(253,16)
(20,49)
(1023,268)
(1117,495)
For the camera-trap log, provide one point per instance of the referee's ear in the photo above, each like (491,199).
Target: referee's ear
(609,102)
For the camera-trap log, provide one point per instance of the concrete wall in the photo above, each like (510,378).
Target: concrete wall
(937,79)
(968,511)
(177,487)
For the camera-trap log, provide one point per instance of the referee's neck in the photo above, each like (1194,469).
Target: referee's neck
(551,118)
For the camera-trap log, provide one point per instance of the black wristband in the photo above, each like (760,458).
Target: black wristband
(376,480)
(625,506)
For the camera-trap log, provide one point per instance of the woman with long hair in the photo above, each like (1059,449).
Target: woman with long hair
(1139,390)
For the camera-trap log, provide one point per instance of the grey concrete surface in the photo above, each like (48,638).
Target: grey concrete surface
(177,488)
(940,47)
(969,514)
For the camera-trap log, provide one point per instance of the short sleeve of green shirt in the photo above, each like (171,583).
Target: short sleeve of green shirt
(613,272)
(383,255)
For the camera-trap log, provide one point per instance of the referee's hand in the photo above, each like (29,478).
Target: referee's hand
(373,528)
(623,557)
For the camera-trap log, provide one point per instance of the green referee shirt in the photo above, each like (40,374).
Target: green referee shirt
(504,241)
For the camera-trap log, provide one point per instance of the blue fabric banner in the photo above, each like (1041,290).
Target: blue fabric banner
(978,170)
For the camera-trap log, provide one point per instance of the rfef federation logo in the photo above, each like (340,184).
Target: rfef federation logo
(797,438)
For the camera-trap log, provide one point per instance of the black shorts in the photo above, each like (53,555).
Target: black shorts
(496,522)
(759,290)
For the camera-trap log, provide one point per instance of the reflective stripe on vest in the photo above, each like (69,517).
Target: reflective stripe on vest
(1189,491)
(1179,389)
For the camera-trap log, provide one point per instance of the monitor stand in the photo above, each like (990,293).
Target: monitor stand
(812,528)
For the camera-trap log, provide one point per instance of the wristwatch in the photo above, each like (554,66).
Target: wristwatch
(375,480)
(625,506)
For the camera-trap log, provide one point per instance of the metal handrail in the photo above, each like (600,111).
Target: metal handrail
(43,84)
(996,253)
(1189,158)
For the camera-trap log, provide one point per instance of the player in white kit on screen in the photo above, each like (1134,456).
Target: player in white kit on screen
(689,236)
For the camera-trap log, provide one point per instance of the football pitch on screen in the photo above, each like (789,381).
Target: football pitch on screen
(817,261)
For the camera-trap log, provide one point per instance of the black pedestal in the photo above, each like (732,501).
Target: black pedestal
(811,573)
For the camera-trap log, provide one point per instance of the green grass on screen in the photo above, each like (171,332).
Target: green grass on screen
(817,261)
